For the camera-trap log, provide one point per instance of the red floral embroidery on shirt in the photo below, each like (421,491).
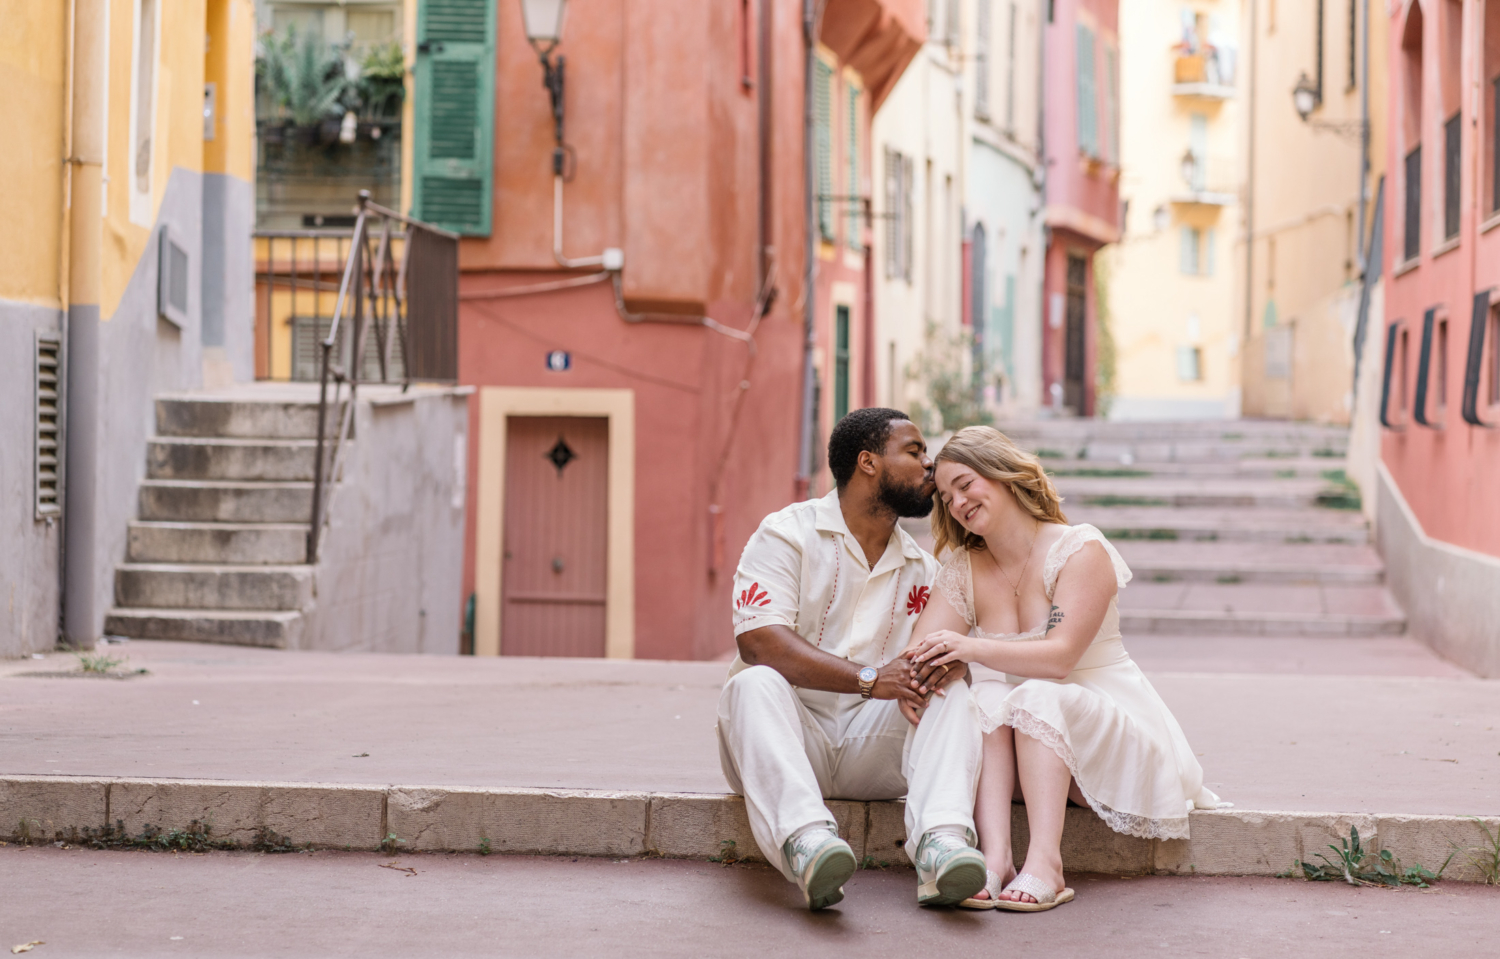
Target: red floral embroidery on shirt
(916,600)
(755,596)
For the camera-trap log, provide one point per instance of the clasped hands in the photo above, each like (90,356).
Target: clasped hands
(923,668)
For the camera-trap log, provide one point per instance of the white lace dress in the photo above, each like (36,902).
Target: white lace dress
(1125,749)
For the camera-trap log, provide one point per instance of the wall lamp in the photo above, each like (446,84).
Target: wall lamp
(544,25)
(1307,96)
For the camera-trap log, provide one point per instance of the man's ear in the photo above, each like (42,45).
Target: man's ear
(868,463)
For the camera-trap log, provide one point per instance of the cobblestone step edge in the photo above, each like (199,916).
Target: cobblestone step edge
(577,822)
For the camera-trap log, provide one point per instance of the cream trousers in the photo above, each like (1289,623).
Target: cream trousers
(786,750)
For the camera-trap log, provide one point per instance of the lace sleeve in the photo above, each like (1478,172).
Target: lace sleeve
(1071,542)
(953,582)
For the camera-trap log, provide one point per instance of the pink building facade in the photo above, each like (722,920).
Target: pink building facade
(1081,143)
(1438,502)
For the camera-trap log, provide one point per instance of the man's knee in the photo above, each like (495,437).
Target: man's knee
(753,688)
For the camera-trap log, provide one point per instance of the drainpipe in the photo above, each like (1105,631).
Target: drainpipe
(1250,49)
(811,9)
(86,194)
(63,299)
(1364,140)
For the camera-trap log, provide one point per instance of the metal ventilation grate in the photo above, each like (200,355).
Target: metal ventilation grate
(48,349)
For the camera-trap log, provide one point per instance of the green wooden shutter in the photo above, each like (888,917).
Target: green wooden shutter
(453,178)
(855,221)
(1088,96)
(823,127)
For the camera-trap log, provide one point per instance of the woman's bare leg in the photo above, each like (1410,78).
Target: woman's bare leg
(1045,782)
(997,784)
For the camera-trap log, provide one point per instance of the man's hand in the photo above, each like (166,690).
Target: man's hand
(896,680)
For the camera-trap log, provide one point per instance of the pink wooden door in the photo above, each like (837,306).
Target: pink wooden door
(556,480)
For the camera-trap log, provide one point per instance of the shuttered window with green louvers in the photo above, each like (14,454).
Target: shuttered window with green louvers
(823,129)
(452,183)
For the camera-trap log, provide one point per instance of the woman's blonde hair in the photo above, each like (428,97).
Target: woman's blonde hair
(991,454)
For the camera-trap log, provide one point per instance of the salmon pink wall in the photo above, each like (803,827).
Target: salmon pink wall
(1447,474)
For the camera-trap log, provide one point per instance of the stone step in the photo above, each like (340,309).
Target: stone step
(195,458)
(275,628)
(238,418)
(1258,573)
(1178,622)
(271,544)
(1264,525)
(225,501)
(674,825)
(180,586)
(1273,468)
(1189,492)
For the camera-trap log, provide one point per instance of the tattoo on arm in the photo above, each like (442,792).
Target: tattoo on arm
(1055,619)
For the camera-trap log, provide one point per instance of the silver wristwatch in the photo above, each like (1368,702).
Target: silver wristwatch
(867,677)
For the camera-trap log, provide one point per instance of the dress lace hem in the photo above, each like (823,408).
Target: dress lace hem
(1128,824)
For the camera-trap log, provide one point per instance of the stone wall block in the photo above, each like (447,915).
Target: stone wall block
(1089,845)
(1230,842)
(48,808)
(1430,840)
(575,822)
(325,816)
(886,837)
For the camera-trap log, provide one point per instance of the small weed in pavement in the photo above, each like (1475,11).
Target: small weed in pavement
(1286,474)
(1097,471)
(1047,454)
(1343,495)
(390,843)
(197,837)
(484,846)
(98,663)
(1111,500)
(1358,866)
(1327,453)
(1159,534)
(727,855)
(1486,858)
(1229,580)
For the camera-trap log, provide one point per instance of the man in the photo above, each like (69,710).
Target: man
(821,704)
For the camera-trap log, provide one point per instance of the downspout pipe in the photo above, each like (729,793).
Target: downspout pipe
(63,299)
(1252,47)
(1364,139)
(803,482)
(82,617)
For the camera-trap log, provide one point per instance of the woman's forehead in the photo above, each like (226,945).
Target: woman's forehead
(951,471)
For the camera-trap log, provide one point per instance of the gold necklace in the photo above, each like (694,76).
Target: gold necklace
(1015,586)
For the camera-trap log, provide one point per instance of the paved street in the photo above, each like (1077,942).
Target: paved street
(84,903)
(1279,741)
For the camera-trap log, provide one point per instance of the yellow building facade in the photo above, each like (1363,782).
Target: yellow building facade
(125,272)
(1171,279)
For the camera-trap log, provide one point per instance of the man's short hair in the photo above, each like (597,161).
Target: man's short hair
(865,430)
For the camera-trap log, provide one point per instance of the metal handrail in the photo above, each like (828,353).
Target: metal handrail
(372,283)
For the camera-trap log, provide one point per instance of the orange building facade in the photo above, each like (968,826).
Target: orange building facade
(635,325)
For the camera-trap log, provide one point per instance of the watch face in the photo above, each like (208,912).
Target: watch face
(867,675)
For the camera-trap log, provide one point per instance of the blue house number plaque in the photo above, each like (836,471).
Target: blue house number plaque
(559,361)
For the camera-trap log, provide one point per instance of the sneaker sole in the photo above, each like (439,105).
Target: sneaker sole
(961,877)
(830,870)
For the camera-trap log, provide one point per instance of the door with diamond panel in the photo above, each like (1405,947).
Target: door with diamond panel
(556,513)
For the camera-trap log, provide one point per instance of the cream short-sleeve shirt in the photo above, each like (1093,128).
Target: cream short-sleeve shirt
(805,570)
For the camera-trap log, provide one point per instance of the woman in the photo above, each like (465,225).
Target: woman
(1028,602)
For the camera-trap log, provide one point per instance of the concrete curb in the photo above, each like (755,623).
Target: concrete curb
(580,822)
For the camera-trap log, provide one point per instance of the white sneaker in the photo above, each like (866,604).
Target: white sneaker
(822,863)
(949,870)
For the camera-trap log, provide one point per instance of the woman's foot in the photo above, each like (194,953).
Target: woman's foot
(996,879)
(1049,873)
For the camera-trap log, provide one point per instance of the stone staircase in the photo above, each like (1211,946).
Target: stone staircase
(219,553)
(1238,528)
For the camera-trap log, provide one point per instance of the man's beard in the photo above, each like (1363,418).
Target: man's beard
(905,501)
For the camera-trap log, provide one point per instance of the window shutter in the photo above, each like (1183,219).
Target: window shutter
(1088,98)
(452,184)
(908,216)
(1112,102)
(982,60)
(890,225)
(823,123)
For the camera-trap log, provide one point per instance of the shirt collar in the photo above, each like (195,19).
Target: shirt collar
(830,519)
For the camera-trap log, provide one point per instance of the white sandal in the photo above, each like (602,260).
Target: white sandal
(991,886)
(1046,897)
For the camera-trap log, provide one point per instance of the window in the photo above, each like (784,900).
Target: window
(823,130)
(1010,72)
(1403,366)
(1412,242)
(1452,177)
(899,186)
(1197,254)
(1490,112)
(854,222)
(1494,356)
(1352,80)
(1189,364)
(1441,379)
(1318,49)
(1112,102)
(1088,95)
(455,84)
(1198,144)
(841,363)
(982,60)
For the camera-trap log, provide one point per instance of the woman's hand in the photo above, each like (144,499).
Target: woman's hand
(944,647)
